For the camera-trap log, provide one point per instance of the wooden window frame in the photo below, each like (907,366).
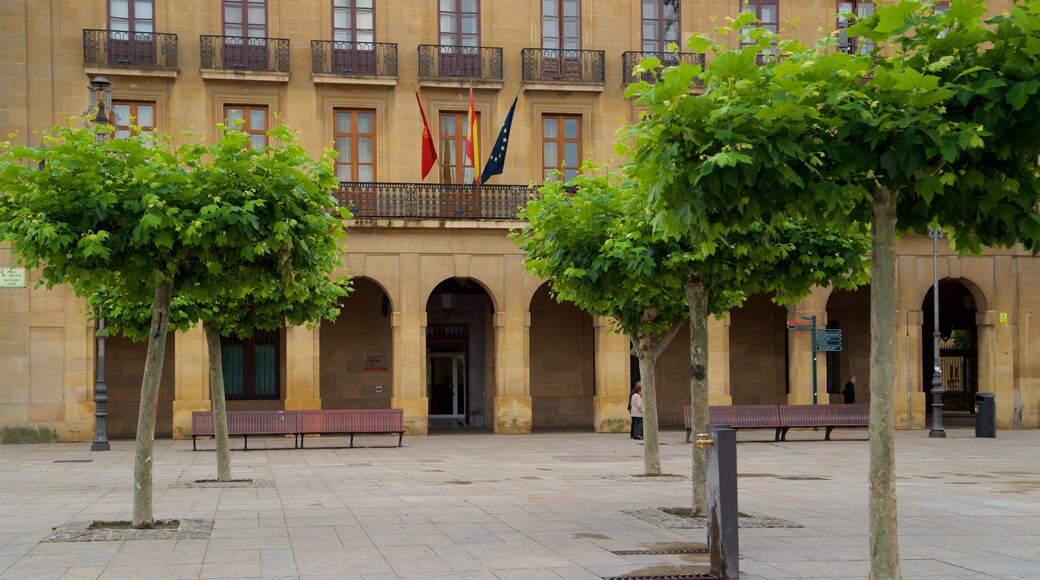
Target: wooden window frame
(561,140)
(755,6)
(457,14)
(852,44)
(131,18)
(134,117)
(249,378)
(245,126)
(559,33)
(660,26)
(351,10)
(354,135)
(454,174)
(243,5)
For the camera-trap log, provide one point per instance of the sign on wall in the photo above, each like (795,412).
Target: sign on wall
(12,277)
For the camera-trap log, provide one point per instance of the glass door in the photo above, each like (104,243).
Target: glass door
(446,385)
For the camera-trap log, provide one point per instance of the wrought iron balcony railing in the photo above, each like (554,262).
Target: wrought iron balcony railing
(630,59)
(563,66)
(242,53)
(460,62)
(129,49)
(354,58)
(433,200)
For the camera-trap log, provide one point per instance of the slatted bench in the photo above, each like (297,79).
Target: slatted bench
(301,423)
(244,424)
(828,416)
(351,422)
(784,417)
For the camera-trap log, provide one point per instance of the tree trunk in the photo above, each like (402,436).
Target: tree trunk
(143,517)
(697,298)
(884,538)
(219,409)
(648,377)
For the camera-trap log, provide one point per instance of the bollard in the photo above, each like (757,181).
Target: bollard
(723,538)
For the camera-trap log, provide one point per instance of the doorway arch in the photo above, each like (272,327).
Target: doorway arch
(562,363)
(958,345)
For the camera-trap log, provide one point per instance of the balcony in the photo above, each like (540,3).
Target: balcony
(630,59)
(433,200)
(130,53)
(372,63)
(552,69)
(237,57)
(460,66)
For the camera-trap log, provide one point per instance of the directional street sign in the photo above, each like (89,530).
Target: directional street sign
(799,324)
(827,340)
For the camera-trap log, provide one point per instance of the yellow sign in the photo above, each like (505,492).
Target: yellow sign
(12,277)
(1003,317)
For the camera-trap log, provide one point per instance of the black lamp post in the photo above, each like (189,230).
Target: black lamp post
(937,384)
(101,106)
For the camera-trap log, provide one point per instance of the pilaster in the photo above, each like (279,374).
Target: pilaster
(302,385)
(610,402)
(191,379)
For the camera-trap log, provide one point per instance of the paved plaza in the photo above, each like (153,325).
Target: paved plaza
(472,505)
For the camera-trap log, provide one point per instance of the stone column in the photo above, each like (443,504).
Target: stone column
(191,379)
(409,370)
(909,372)
(512,374)
(800,355)
(302,383)
(718,361)
(610,402)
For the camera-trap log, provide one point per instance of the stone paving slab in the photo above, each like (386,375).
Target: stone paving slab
(471,505)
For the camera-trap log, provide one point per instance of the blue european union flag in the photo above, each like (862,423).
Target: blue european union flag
(497,160)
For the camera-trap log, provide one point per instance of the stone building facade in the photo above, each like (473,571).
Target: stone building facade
(444,322)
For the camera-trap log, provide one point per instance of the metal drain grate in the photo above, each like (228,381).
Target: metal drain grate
(667,552)
(703,575)
(803,478)
(73,460)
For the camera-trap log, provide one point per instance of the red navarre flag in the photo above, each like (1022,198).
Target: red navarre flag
(429,152)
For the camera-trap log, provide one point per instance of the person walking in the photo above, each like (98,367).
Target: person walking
(637,411)
(849,393)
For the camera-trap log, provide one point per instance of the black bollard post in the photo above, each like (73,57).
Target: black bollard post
(723,539)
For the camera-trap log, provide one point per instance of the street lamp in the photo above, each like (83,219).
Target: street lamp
(101,107)
(937,384)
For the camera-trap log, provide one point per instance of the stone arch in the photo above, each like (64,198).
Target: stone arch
(562,362)
(849,311)
(459,357)
(356,350)
(758,352)
(959,345)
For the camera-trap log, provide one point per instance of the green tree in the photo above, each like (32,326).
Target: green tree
(594,240)
(144,216)
(606,261)
(936,126)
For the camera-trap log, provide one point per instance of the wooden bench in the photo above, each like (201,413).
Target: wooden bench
(301,423)
(351,422)
(244,424)
(783,417)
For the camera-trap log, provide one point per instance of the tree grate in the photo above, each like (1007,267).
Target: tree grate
(73,460)
(702,575)
(803,478)
(674,551)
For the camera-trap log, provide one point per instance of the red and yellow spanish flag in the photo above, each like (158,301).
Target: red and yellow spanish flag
(429,152)
(473,139)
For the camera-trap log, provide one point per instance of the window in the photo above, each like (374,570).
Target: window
(660,24)
(139,114)
(460,23)
(768,13)
(455,166)
(353,21)
(561,145)
(131,16)
(561,24)
(245,18)
(353,36)
(251,366)
(355,134)
(254,121)
(131,24)
(852,44)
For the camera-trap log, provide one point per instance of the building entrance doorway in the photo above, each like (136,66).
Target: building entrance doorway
(446,385)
